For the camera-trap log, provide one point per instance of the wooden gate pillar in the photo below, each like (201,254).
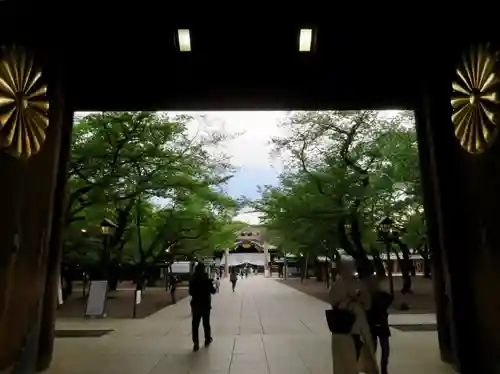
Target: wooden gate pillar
(47,328)
(32,119)
(429,186)
(462,203)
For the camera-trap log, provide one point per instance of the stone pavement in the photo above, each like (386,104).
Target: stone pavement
(263,328)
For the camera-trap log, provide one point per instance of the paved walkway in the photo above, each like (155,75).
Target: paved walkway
(263,328)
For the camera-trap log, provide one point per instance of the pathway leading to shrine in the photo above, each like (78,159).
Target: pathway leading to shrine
(263,328)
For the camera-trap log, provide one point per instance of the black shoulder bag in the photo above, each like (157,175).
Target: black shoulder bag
(340,321)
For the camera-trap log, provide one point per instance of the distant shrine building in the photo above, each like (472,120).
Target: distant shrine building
(250,250)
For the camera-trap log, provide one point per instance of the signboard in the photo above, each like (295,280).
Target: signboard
(138,296)
(96,302)
(181,267)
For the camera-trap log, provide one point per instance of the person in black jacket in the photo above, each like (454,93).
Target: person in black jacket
(173,287)
(378,319)
(233,277)
(201,289)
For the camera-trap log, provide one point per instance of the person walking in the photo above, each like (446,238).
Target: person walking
(201,289)
(378,319)
(351,337)
(173,288)
(233,278)
(217,283)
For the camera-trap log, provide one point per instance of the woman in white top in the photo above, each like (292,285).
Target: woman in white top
(353,350)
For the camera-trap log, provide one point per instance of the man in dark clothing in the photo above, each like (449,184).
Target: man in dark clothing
(173,287)
(378,319)
(233,278)
(201,289)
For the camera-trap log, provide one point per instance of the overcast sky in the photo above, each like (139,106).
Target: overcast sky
(249,150)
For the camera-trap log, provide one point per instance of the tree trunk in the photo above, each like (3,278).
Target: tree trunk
(328,268)
(113,278)
(66,276)
(427,268)
(139,276)
(405,265)
(306,266)
(426,255)
(142,262)
(389,268)
(378,263)
(319,271)
(105,258)
(364,265)
(327,275)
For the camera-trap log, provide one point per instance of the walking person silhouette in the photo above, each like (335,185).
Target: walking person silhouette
(173,287)
(378,319)
(201,289)
(233,278)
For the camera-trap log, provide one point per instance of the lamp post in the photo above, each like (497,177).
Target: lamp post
(108,228)
(385,235)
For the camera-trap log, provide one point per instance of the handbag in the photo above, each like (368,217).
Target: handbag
(340,321)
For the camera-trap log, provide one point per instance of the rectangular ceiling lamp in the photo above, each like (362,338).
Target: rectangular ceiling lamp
(305,40)
(184,40)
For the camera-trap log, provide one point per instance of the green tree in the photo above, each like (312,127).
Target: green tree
(346,171)
(122,163)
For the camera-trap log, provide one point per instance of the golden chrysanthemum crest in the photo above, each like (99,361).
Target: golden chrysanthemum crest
(24,104)
(475,99)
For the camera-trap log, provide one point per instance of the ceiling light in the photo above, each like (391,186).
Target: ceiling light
(305,40)
(184,39)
